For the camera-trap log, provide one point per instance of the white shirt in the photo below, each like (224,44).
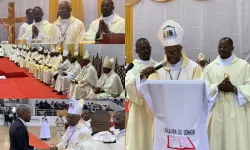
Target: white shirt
(23,122)
(109,19)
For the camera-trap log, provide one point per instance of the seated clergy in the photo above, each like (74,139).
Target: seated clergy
(83,83)
(39,60)
(52,67)
(1,51)
(109,84)
(109,22)
(62,81)
(42,64)
(25,55)
(32,68)
(12,52)
(18,53)
(34,55)
(22,54)
(63,66)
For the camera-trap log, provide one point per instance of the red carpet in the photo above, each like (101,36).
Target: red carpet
(34,141)
(21,84)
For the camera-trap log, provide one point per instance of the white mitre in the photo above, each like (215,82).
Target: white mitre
(75,107)
(86,55)
(108,63)
(201,57)
(46,51)
(170,33)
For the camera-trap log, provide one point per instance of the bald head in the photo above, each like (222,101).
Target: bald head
(100,121)
(119,119)
(64,10)
(23,112)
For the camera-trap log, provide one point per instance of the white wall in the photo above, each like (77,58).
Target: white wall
(204,23)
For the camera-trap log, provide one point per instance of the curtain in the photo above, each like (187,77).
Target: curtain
(129,34)
(77,9)
(204,22)
(53,7)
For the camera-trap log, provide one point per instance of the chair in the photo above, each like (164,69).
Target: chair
(120,70)
(97,63)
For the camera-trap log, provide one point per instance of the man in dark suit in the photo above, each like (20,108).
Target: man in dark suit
(18,133)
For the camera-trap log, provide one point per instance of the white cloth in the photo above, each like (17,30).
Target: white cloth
(45,130)
(101,140)
(2,52)
(22,30)
(175,127)
(74,136)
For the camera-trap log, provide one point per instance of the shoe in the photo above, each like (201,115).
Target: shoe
(59,93)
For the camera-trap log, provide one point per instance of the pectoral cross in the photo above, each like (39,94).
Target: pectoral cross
(10,22)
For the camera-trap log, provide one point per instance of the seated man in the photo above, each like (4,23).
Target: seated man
(62,82)
(43,64)
(109,84)
(83,83)
(63,66)
(201,60)
(101,137)
(44,57)
(1,52)
(39,59)
(110,22)
(31,62)
(26,55)
(18,54)
(22,54)
(12,52)
(53,67)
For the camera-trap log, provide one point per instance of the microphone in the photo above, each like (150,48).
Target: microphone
(161,65)
(129,67)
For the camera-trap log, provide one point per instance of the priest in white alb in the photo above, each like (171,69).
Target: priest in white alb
(140,121)
(63,66)
(85,81)
(67,29)
(45,130)
(52,67)
(76,133)
(109,84)
(63,81)
(40,30)
(228,78)
(42,64)
(25,26)
(1,51)
(109,22)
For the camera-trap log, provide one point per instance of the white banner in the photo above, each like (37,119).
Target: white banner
(180,110)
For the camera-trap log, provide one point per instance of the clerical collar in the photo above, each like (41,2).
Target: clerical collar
(109,19)
(37,24)
(225,62)
(145,62)
(175,67)
(65,21)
